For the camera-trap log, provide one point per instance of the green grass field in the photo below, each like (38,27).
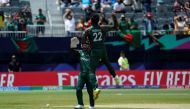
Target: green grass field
(109,99)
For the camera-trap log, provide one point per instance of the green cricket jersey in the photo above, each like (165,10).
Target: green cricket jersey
(42,17)
(96,37)
(84,63)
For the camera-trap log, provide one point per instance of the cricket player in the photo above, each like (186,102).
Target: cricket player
(84,76)
(96,36)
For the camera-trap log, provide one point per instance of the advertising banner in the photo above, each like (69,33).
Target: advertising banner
(128,79)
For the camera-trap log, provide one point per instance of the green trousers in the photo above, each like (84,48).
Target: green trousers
(82,80)
(97,56)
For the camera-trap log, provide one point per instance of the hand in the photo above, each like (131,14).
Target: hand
(74,42)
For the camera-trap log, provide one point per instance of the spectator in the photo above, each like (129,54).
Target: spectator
(147,5)
(132,24)
(40,20)
(88,13)
(179,7)
(14,65)
(81,24)
(96,6)
(11,25)
(167,28)
(187,29)
(123,61)
(187,5)
(113,21)
(123,24)
(103,20)
(119,7)
(69,22)
(65,3)
(179,24)
(2,20)
(6,22)
(22,25)
(149,23)
(75,3)
(128,2)
(105,4)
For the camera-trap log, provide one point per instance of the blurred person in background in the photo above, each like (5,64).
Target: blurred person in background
(75,3)
(114,22)
(167,27)
(119,7)
(14,65)
(149,23)
(21,25)
(187,29)
(40,20)
(103,20)
(187,5)
(69,21)
(179,7)
(2,18)
(11,25)
(123,61)
(128,2)
(96,6)
(179,24)
(88,12)
(81,24)
(65,3)
(105,4)
(132,23)
(123,24)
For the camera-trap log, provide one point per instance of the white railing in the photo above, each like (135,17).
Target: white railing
(46,30)
(59,31)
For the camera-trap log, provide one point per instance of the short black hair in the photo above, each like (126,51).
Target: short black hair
(95,19)
(40,10)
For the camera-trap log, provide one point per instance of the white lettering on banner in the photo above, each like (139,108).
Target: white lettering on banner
(73,79)
(10,80)
(123,79)
(152,78)
(159,77)
(176,78)
(3,79)
(7,80)
(61,78)
(149,76)
(131,79)
(169,78)
(183,77)
(106,80)
(146,77)
(189,78)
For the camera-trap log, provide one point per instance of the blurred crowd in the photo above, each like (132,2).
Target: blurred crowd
(176,21)
(16,21)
